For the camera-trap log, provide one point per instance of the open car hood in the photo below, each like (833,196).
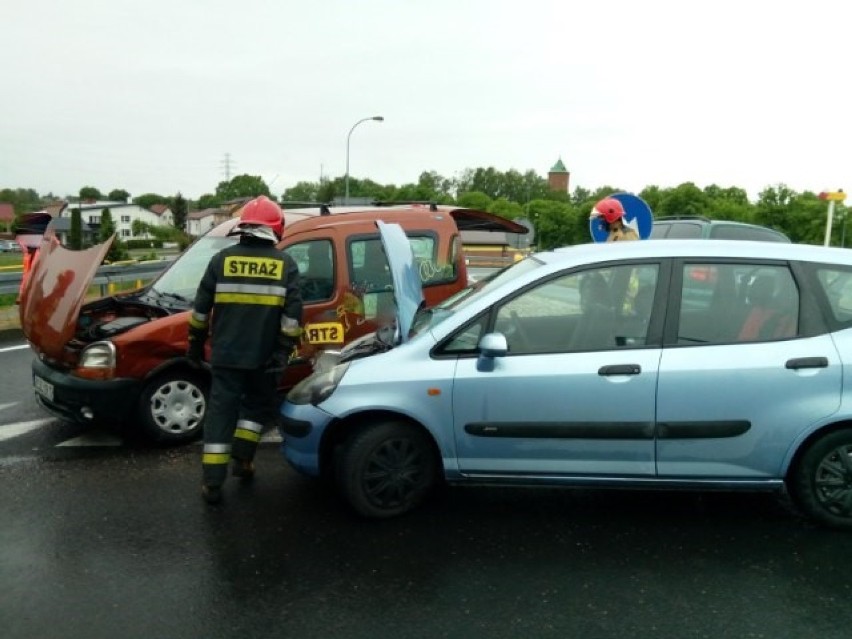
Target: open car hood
(407,286)
(54,291)
(473,220)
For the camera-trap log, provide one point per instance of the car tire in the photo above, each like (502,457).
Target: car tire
(172,407)
(822,482)
(387,469)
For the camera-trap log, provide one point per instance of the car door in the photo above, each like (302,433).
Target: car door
(575,393)
(746,366)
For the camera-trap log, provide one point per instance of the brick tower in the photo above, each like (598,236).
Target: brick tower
(558,177)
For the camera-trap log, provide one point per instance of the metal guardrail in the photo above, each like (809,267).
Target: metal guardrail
(106,275)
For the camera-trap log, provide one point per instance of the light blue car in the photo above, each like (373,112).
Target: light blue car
(654,364)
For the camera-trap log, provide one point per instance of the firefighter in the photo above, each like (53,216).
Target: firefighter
(249,298)
(612,213)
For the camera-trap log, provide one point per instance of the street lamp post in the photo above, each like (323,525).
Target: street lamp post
(377,118)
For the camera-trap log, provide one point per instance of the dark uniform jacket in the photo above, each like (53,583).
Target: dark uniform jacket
(252,290)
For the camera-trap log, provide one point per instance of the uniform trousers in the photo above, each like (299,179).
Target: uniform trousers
(241,402)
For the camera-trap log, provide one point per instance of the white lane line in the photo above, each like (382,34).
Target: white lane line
(8,431)
(20,347)
(93,440)
(8,405)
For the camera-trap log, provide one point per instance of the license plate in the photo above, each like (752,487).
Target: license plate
(43,387)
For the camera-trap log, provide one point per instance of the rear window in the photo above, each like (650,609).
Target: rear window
(755,233)
(678,231)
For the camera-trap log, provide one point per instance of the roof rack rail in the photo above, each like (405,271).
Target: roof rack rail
(433,205)
(683,217)
(299,204)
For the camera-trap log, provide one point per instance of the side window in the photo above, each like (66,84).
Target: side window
(837,286)
(727,303)
(432,270)
(597,309)
(369,266)
(315,259)
(467,339)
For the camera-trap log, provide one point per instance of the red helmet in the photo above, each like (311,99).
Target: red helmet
(609,209)
(263,211)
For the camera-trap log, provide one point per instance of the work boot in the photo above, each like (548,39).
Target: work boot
(211,494)
(243,468)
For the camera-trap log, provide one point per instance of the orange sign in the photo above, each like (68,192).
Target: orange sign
(836,196)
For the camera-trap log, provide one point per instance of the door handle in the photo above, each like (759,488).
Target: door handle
(806,362)
(620,369)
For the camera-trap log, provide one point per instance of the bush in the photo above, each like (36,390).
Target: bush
(144,244)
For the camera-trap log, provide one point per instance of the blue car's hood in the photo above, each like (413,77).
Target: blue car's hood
(408,288)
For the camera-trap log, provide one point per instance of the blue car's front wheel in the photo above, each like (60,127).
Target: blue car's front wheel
(387,469)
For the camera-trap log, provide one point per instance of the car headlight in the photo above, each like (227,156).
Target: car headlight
(98,355)
(317,387)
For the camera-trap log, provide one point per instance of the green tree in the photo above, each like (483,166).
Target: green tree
(117,251)
(22,200)
(242,186)
(301,192)
(118,195)
(147,200)
(555,224)
(75,233)
(475,200)
(685,199)
(504,208)
(208,201)
(179,209)
(158,231)
(90,193)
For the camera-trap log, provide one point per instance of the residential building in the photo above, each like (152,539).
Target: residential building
(123,217)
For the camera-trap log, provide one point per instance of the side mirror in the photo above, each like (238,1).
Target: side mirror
(490,346)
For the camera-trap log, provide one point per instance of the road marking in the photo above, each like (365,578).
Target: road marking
(14,348)
(9,431)
(10,404)
(272,437)
(96,439)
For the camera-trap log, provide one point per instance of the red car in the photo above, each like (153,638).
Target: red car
(121,359)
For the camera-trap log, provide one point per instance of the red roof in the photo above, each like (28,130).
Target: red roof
(159,209)
(7,212)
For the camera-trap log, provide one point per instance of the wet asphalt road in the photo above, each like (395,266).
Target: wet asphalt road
(116,542)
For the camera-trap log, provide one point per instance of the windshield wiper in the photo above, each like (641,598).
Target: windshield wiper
(169,294)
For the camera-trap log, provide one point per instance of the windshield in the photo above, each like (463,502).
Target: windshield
(181,279)
(430,317)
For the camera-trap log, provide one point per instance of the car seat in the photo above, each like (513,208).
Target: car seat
(761,308)
(318,281)
(595,329)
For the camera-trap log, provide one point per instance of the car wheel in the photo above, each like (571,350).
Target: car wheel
(172,407)
(387,469)
(822,483)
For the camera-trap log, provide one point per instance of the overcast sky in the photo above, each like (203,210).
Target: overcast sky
(151,96)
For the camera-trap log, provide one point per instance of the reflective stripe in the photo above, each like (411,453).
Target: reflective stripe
(217,448)
(290,327)
(214,459)
(246,435)
(257,289)
(245,298)
(250,425)
(198,320)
